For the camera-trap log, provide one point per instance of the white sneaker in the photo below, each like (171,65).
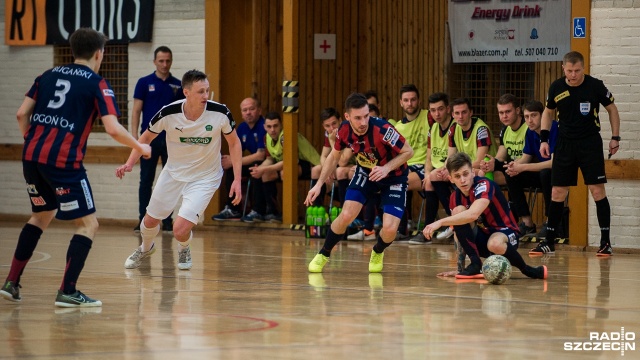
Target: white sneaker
(184,257)
(447,233)
(361,236)
(134,260)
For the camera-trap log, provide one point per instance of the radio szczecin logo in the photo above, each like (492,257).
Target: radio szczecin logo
(605,341)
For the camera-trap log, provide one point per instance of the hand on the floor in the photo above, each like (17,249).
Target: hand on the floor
(448,273)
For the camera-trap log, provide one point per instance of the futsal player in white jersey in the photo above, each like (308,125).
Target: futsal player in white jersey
(194,126)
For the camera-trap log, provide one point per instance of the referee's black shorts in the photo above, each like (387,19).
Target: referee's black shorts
(571,154)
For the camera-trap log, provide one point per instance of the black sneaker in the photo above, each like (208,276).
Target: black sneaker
(473,271)
(137,229)
(227,214)
(253,216)
(539,272)
(11,291)
(273,218)
(526,230)
(77,299)
(401,237)
(605,250)
(543,247)
(419,239)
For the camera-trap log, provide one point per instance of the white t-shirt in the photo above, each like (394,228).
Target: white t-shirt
(193,146)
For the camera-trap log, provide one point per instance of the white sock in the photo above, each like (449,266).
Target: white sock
(184,244)
(147,236)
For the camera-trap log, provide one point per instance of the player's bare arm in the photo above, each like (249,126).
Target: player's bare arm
(465,217)
(328,167)
(145,139)
(380,172)
(235,152)
(24,114)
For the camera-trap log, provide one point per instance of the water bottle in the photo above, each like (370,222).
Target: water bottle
(312,215)
(320,215)
(488,174)
(309,216)
(334,213)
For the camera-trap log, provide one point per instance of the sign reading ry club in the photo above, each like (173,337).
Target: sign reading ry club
(43,22)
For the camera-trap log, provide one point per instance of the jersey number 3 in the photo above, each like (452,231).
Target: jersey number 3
(60,94)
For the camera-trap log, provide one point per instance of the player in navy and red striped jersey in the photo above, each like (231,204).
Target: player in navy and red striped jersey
(480,199)
(56,117)
(381,155)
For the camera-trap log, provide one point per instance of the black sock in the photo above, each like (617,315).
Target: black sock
(342,189)
(260,197)
(369,214)
(329,242)
(514,257)
(380,245)
(271,196)
(27,242)
(77,253)
(431,210)
(603,210)
(465,236)
(443,190)
(555,216)
(402,228)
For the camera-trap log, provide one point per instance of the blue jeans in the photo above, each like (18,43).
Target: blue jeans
(148,174)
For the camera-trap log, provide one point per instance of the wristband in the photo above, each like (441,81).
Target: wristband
(544,136)
(616,138)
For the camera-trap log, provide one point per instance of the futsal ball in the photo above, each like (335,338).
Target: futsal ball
(496,269)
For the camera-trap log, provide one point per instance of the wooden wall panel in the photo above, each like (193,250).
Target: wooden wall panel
(546,73)
(381,45)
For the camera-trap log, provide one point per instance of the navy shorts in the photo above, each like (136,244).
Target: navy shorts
(392,190)
(482,238)
(585,154)
(418,169)
(51,188)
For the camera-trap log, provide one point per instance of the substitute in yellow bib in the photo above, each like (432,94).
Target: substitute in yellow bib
(471,136)
(414,126)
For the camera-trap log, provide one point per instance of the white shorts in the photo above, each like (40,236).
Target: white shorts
(195,197)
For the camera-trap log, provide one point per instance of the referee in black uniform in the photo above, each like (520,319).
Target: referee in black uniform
(577,97)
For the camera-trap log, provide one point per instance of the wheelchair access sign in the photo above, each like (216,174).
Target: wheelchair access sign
(579,27)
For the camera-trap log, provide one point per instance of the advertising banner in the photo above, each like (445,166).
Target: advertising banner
(510,30)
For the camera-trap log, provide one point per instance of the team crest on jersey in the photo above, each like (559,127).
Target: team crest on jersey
(208,127)
(366,160)
(480,188)
(585,107)
(152,87)
(31,189)
(391,136)
(108,92)
(244,138)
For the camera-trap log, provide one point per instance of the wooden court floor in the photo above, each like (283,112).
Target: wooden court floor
(249,296)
